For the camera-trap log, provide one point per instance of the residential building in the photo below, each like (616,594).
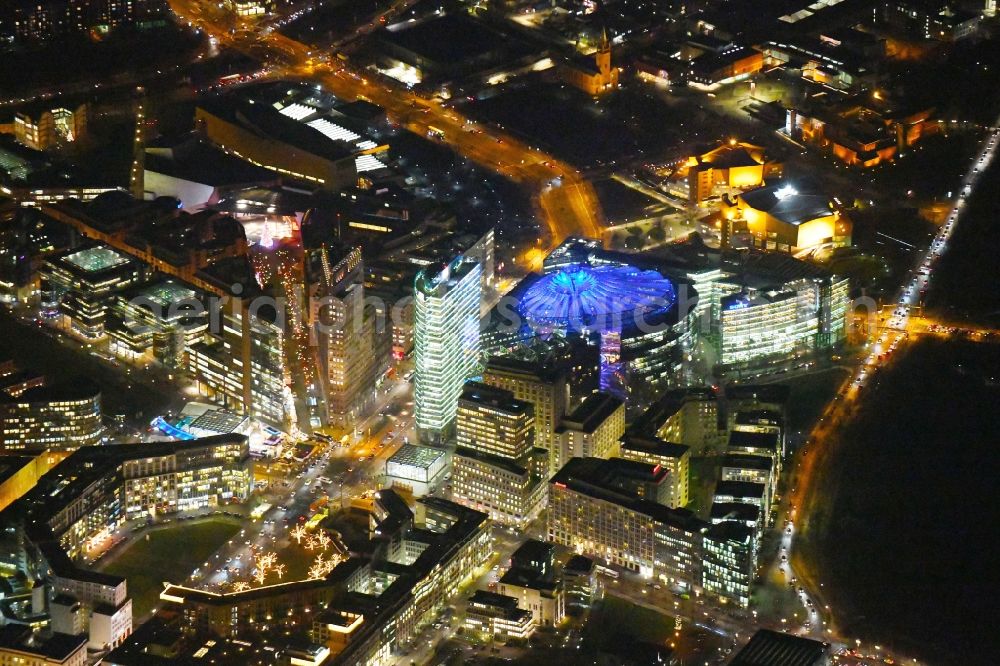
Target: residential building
(99,489)
(418,561)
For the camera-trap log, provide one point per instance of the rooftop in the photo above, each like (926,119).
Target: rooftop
(771,648)
(654,446)
(484,394)
(739,489)
(96,259)
(591,413)
(590,476)
(735,511)
(417,456)
(745,461)
(67,391)
(56,647)
(786,203)
(584,296)
(754,440)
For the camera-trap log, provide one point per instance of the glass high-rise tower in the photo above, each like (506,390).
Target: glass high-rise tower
(446,342)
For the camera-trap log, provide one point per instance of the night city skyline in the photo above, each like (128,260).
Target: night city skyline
(405,333)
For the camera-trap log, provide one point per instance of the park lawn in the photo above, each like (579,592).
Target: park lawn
(297,561)
(614,617)
(168,553)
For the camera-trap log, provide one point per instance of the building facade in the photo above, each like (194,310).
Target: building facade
(495,470)
(62,417)
(594,429)
(446,342)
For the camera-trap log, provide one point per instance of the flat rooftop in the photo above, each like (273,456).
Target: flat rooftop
(96,259)
(417,456)
(772,648)
(445,40)
(164,293)
(591,413)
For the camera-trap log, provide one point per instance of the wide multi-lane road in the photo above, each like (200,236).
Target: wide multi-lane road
(899,325)
(566,203)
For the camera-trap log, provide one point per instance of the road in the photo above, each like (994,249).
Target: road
(899,325)
(565,202)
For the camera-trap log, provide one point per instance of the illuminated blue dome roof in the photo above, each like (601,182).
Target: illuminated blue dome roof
(582,296)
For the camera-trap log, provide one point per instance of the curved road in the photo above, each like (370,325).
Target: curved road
(566,202)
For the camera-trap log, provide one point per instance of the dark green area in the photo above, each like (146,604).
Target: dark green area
(614,617)
(109,61)
(810,394)
(166,554)
(37,349)
(965,280)
(902,534)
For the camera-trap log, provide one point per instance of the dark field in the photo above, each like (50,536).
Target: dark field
(903,537)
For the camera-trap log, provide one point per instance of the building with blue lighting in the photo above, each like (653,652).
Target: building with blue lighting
(631,312)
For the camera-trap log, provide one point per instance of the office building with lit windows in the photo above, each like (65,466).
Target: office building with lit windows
(761,325)
(356,340)
(241,360)
(690,417)
(243,365)
(446,343)
(674,458)
(494,422)
(24,646)
(729,561)
(40,127)
(490,614)
(625,304)
(62,417)
(593,429)
(250,8)
(496,469)
(84,282)
(544,387)
(593,511)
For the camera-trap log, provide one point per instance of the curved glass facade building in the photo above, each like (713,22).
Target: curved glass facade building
(632,313)
(581,297)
